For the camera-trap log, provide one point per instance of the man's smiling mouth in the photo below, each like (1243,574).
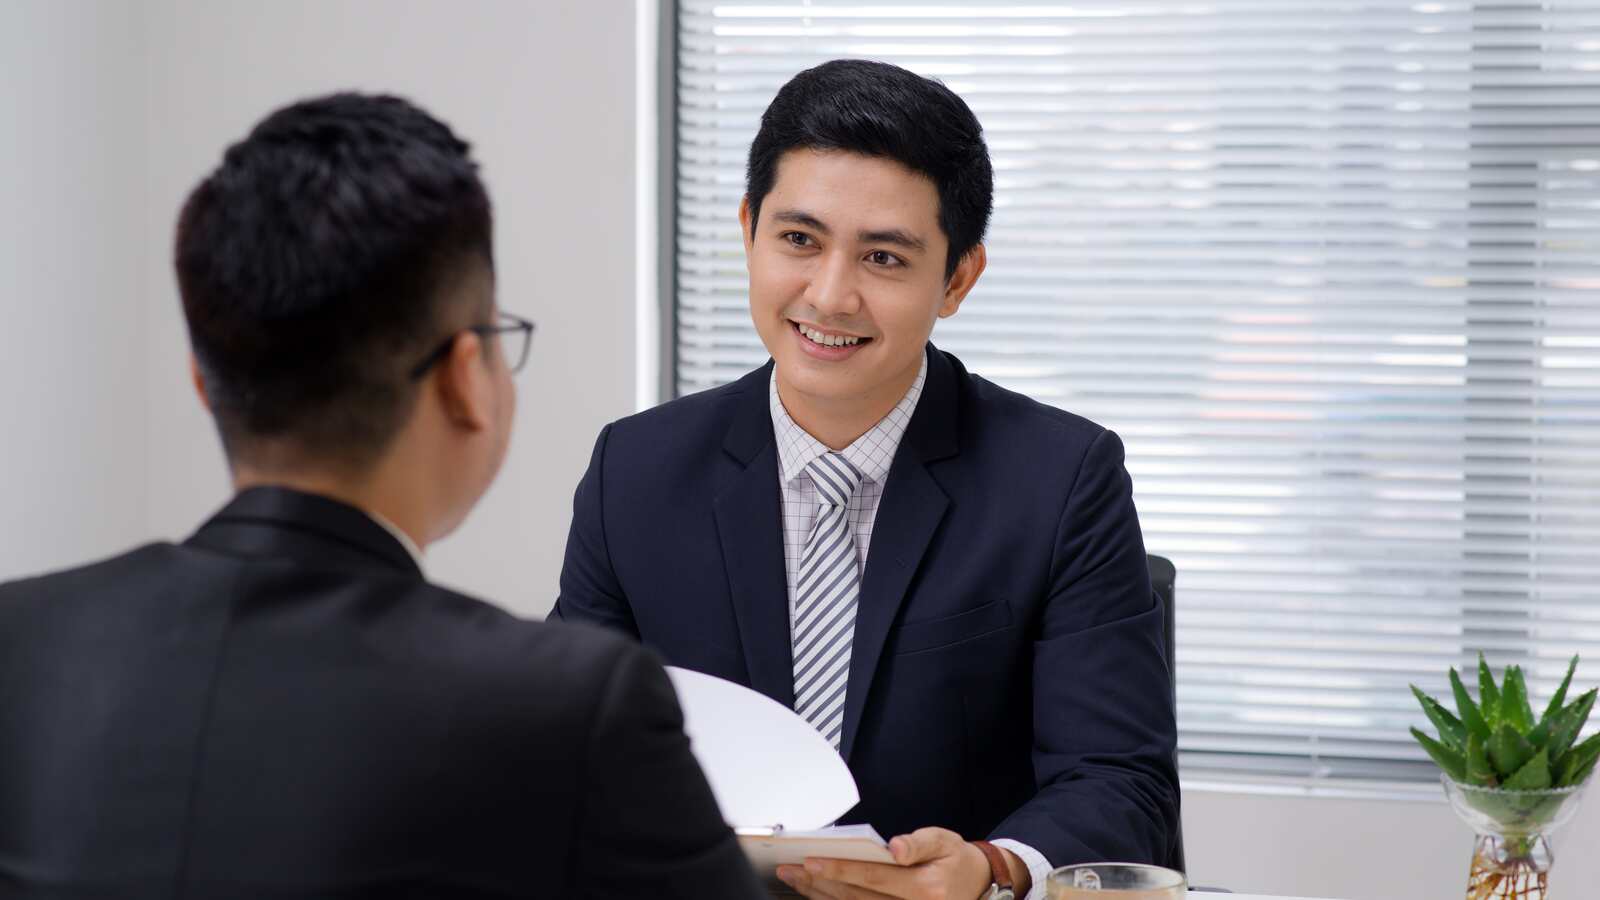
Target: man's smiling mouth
(828,339)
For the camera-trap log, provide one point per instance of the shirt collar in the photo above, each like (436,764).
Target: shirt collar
(404,539)
(871,454)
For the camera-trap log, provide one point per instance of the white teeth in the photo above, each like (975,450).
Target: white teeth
(828,340)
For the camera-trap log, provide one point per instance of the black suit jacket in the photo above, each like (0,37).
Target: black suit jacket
(1007,677)
(282,707)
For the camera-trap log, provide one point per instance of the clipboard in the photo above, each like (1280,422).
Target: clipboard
(768,848)
(767,765)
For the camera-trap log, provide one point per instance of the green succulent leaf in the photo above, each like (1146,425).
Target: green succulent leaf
(1574,765)
(1514,706)
(1560,697)
(1451,732)
(1488,694)
(1471,717)
(1452,762)
(1510,751)
(1479,772)
(1584,772)
(1517,813)
(1569,723)
(1533,776)
(1539,737)
(1494,741)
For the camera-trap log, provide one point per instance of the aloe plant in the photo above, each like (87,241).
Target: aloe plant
(1508,771)
(1495,741)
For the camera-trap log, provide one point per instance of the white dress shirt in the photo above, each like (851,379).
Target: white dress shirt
(871,454)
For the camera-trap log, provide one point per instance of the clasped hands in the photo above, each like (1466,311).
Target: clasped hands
(930,864)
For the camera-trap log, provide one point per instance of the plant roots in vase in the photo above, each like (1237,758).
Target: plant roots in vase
(1509,868)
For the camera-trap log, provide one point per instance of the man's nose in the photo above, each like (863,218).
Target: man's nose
(834,289)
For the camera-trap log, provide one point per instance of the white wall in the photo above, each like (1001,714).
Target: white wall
(1357,849)
(544,92)
(111,111)
(71,322)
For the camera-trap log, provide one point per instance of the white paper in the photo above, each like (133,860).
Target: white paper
(767,766)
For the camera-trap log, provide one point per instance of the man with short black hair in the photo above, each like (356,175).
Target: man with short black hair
(945,578)
(281,706)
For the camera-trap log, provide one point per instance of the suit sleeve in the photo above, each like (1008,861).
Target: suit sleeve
(590,591)
(650,826)
(1104,728)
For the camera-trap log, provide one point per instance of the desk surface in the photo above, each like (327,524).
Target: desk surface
(1244,896)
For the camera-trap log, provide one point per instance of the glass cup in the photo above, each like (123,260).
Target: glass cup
(1115,881)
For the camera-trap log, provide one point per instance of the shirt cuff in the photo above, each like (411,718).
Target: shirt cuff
(1038,867)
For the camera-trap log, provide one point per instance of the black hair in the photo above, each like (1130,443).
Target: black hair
(316,261)
(877,109)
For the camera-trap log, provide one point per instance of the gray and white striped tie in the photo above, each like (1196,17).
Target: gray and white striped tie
(826,588)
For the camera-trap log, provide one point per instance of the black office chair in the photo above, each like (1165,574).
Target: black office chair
(1164,578)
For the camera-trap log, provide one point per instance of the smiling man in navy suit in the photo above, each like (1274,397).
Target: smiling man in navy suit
(945,578)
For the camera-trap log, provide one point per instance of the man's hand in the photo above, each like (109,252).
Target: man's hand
(931,864)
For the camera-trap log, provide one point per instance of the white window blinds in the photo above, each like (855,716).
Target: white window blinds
(1331,269)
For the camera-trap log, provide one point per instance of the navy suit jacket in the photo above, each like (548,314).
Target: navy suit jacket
(281,707)
(1007,678)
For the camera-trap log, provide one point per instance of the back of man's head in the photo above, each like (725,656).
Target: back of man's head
(316,265)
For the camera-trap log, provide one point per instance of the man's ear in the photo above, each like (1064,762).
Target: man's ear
(464,384)
(746,226)
(199,381)
(962,279)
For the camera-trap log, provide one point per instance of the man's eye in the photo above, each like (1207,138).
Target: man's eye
(883,258)
(797,239)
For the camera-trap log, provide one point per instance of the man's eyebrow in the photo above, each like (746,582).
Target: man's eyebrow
(803,219)
(892,236)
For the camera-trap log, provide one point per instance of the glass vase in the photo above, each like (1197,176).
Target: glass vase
(1511,856)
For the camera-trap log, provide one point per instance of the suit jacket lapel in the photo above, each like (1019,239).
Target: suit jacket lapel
(749,515)
(909,514)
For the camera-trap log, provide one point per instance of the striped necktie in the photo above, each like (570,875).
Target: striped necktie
(826,588)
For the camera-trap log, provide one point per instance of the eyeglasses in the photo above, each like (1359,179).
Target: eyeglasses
(508,324)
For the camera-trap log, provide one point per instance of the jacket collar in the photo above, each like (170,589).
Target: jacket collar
(278,522)
(932,434)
